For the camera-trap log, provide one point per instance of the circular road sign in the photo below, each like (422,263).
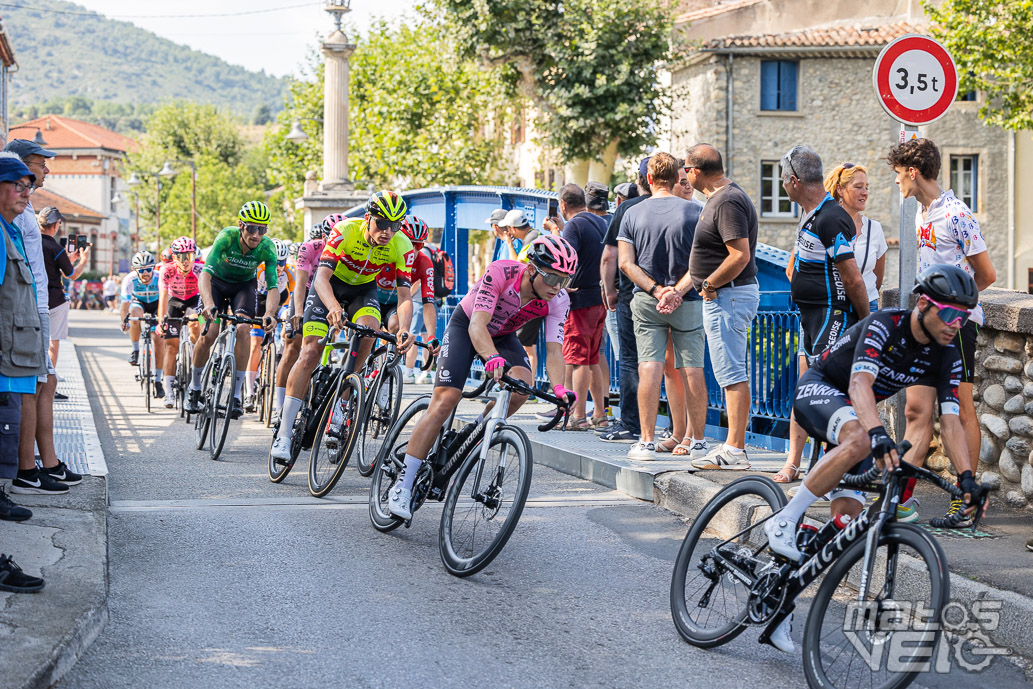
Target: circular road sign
(915,79)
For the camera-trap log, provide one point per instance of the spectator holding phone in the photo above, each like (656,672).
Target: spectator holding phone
(57,262)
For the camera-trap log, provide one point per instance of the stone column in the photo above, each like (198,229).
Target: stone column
(335,112)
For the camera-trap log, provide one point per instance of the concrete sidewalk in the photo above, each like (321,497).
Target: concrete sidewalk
(992,564)
(65,542)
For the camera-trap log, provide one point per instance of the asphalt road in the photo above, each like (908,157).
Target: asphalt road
(220,578)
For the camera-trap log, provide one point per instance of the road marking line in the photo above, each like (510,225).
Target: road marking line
(340,503)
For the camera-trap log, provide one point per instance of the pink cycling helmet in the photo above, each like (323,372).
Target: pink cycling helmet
(550,251)
(331,220)
(183,245)
(415,229)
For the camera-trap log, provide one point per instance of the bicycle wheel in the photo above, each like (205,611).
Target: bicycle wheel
(183,376)
(146,374)
(390,462)
(857,643)
(222,405)
(480,513)
(709,606)
(268,386)
(336,435)
(384,403)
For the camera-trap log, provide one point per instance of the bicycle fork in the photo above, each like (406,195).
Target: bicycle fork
(498,417)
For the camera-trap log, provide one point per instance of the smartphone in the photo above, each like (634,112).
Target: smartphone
(64,242)
(80,242)
(71,242)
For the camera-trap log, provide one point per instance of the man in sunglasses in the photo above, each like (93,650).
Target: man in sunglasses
(835,400)
(229,284)
(356,252)
(508,295)
(141,294)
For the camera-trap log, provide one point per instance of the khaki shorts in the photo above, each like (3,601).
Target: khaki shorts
(59,322)
(685,326)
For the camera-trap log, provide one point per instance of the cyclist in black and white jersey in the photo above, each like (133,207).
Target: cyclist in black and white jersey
(835,399)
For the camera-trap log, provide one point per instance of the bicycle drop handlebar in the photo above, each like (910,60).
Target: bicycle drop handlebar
(366,331)
(238,320)
(517,385)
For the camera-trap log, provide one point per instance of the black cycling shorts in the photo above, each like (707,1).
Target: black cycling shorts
(176,310)
(356,300)
(457,352)
(965,341)
(150,307)
(821,327)
(386,311)
(239,297)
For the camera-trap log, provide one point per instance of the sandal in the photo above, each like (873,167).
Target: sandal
(594,423)
(683,449)
(788,474)
(663,446)
(577,425)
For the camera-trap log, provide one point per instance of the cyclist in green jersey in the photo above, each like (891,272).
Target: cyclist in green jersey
(345,287)
(228,283)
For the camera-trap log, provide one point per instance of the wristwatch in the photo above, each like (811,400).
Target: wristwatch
(707,287)
(653,288)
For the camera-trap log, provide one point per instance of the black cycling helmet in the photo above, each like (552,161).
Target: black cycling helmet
(948,283)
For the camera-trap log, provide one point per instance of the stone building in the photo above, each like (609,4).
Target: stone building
(764,75)
(87,172)
(8,65)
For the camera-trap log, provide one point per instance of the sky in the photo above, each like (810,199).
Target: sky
(276,41)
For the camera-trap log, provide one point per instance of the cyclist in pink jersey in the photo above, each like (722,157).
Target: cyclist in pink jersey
(177,294)
(305,270)
(508,295)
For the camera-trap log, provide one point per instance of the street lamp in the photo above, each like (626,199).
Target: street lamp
(297,134)
(169,172)
(337,9)
(135,181)
(38,139)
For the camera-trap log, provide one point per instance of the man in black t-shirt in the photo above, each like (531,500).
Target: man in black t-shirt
(57,262)
(617,297)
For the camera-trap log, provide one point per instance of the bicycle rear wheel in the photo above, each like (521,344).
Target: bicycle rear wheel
(183,374)
(481,512)
(146,374)
(384,404)
(849,642)
(390,462)
(708,605)
(222,405)
(268,385)
(336,435)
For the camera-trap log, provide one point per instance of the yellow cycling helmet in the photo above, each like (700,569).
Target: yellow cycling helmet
(254,212)
(386,204)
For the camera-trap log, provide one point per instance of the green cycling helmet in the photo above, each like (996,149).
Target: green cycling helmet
(254,212)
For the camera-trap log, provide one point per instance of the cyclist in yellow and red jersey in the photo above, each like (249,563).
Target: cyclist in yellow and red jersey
(357,251)
(285,280)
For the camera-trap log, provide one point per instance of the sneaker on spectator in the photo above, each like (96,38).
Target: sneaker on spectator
(720,458)
(12,578)
(37,482)
(62,473)
(423,378)
(664,434)
(700,448)
(618,434)
(60,396)
(409,379)
(11,512)
(643,452)
(1029,545)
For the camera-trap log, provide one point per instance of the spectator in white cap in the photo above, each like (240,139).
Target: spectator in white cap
(518,233)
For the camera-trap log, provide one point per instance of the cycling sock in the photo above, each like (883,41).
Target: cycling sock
(278,399)
(288,413)
(252,376)
(412,465)
(803,499)
(195,378)
(238,383)
(909,489)
(170,381)
(136,346)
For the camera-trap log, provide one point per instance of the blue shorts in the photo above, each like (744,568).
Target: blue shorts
(726,321)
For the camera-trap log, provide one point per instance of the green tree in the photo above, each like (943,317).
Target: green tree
(989,40)
(589,66)
(226,179)
(261,115)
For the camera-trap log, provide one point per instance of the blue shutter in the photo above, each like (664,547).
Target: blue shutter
(787,85)
(769,85)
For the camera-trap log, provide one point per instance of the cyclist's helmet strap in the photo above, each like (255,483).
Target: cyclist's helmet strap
(386,204)
(947,283)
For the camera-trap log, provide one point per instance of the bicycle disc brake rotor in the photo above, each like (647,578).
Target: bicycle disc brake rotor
(766,596)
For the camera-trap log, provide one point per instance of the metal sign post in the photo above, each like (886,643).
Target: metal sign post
(908,255)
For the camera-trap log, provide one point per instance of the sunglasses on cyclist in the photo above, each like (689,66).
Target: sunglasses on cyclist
(552,279)
(144,271)
(384,225)
(256,229)
(951,315)
(281,264)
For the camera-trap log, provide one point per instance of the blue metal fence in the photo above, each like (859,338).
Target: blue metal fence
(774,334)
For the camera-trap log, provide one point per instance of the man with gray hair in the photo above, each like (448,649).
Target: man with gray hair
(826,283)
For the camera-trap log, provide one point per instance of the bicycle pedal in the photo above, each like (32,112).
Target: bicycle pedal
(407,522)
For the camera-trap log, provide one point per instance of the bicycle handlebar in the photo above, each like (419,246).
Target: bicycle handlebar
(516,385)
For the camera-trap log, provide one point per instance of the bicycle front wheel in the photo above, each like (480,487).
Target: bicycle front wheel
(183,374)
(390,463)
(146,374)
(268,385)
(222,405)
(851,642)
(484,502)
(336,435)
(383,410)
(708,603)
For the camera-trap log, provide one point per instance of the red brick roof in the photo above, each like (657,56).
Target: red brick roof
(41,198)
(821,37)
(64,132)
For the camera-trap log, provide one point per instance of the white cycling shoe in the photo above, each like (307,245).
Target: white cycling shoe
(281,448)
(782,538)
(781,639)
(170,401)
(399,501)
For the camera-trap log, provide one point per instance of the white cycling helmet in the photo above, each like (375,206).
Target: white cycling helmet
(143,259)
(282,249)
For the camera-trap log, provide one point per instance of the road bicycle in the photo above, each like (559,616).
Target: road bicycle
(265,382)
(383,379)
(876,617)
(483,484)
(145,371)
(217,384)
(184,359)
